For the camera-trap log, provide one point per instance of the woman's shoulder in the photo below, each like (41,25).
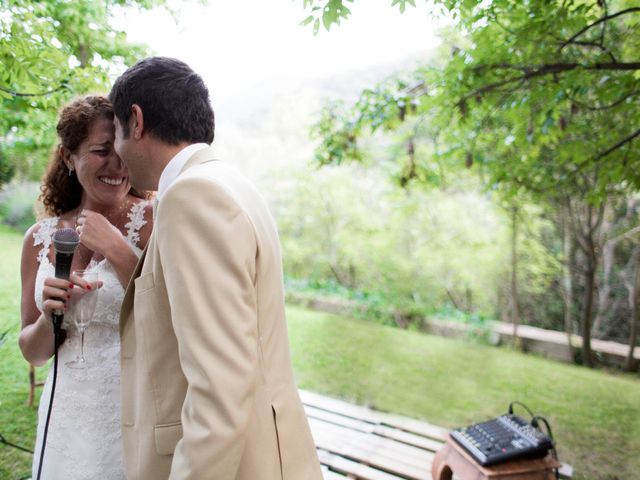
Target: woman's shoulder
(38,237)
(141,208)
(42,229)
(45,227)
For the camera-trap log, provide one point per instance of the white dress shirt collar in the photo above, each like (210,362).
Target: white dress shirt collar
(173,168)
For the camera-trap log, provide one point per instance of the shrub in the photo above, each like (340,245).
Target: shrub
(17,201)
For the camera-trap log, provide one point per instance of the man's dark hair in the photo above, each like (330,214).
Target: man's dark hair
(173,98)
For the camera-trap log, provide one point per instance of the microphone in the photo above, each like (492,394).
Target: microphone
(65,241)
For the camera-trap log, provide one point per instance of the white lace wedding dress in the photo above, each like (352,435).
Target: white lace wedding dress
(84,431)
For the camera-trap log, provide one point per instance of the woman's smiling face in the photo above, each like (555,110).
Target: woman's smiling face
(103,176)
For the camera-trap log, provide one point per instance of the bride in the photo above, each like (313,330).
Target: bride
(86,187)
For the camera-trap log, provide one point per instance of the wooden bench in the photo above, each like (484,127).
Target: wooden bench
(360,443)
(32,385)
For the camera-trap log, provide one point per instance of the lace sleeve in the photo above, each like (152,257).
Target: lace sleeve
(44,236)
(136,222)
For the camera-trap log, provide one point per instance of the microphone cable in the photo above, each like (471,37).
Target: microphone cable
(6,442)
(57,334)
(65,241)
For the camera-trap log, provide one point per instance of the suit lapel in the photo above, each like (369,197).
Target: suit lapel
(127,301)
(201,156)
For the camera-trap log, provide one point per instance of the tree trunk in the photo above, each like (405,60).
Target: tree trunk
(590,281)
(604,290)
(586,232)
(634,304)
(515,313)
(456,302)
(567,279)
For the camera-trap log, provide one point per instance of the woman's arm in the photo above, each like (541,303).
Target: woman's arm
(36,336)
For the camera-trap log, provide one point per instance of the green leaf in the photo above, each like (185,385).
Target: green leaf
(307,20)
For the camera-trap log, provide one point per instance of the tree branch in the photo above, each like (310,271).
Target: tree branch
(599,46)
(417,90)
(600,217)
(545,68)
(604,25)
(625,235)
(613,66)
(607,107)
(606,18)
(618,145)
(13,93)
(532,71)
(576,227)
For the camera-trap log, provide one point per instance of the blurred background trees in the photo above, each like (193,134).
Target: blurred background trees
(50,51)
(540,100)
(495,178)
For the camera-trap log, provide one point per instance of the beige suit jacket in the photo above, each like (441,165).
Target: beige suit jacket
(207,384)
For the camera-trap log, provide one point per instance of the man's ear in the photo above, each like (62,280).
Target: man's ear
(136,121)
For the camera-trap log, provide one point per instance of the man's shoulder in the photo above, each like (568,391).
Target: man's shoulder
(220,182)
(219,174)
(212,179)
(215,168)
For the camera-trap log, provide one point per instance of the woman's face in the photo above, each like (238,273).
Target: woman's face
(103,176)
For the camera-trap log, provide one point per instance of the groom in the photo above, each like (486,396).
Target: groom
(207,384)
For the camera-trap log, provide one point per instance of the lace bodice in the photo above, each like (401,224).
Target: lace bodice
(107,309)
(84,433)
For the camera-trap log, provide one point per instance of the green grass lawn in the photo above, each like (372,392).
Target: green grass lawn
(17,421)
(595,415)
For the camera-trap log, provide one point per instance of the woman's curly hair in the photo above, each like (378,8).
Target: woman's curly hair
(62,192)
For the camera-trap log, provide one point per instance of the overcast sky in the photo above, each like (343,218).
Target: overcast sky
(235,44)
(247,50)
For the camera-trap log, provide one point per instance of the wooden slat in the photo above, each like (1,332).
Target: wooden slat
(330,475)
(363,413)
(360,471)
(408,438)
(337,419)
(368,427)
(384,454)
(372,450)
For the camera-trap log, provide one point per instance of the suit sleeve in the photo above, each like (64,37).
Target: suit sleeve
(208,251)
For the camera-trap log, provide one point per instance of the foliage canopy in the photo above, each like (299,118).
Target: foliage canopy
(51,51)
(538,95)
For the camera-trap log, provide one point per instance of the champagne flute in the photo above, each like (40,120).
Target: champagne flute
(82,305)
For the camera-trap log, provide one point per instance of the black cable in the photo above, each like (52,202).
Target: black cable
(554,453)
(57,325)
(534,423)
(8,443)
(522,405)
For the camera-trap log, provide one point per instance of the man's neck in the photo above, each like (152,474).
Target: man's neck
(164,153)
(160,155)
